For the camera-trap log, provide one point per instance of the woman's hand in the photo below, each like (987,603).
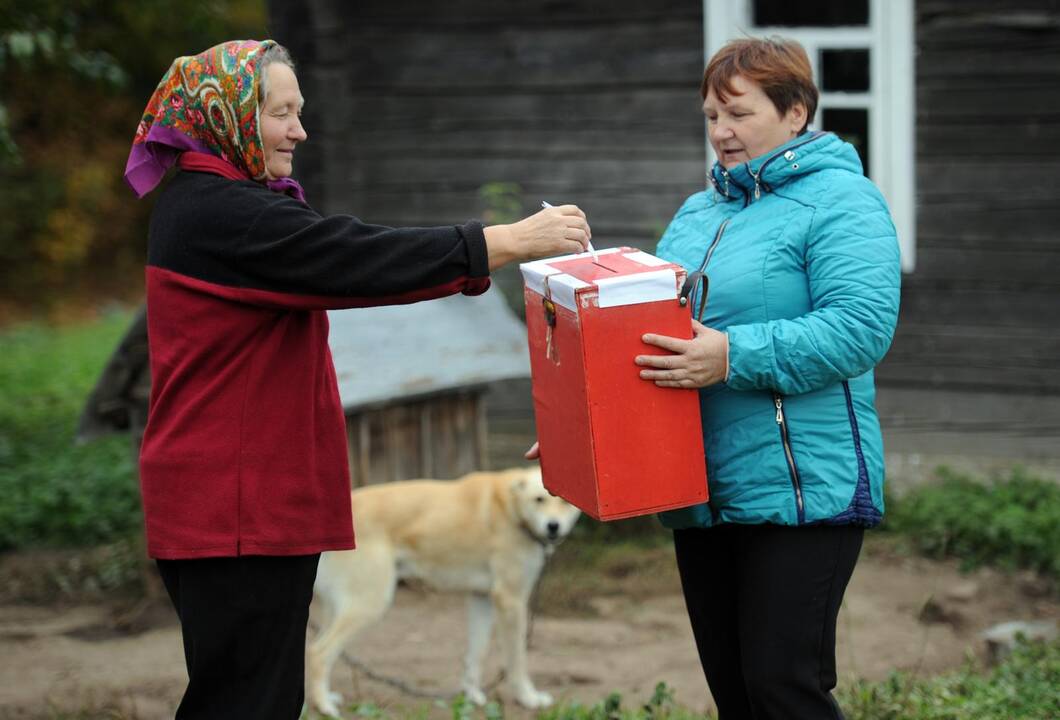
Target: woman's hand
(534,453)
(560,230)
(695,363)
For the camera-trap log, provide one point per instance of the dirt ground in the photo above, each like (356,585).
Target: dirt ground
(899,613)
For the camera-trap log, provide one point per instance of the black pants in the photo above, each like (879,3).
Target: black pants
(244,624)
(763,601)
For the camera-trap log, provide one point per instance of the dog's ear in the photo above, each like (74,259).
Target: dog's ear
(517,484)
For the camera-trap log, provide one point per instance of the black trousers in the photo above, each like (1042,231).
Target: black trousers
(244,625)
(763,601)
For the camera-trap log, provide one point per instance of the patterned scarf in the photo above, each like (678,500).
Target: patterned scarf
(205,103)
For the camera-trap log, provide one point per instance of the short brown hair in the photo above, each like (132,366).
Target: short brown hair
(778,65)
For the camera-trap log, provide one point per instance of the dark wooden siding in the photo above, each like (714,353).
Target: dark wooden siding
(414,105)
(982,310)
(442,436)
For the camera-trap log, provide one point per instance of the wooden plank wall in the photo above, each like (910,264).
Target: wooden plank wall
(442,436)
(982,310)
(414,105)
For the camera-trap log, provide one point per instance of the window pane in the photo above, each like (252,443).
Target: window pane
(811,13)
(853,126)
(845,70)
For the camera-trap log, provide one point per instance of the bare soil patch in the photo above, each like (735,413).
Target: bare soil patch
(619,628)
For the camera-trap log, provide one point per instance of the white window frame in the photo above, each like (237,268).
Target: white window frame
(891,100)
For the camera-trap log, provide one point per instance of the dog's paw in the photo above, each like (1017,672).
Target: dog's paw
(328,705)
(475,696)
(532,699)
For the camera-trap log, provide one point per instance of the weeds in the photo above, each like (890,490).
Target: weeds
(1010,523)
(660,706)
(1026,686)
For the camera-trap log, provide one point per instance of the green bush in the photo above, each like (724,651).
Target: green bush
(1011,522)
(1026,686)
(53,492)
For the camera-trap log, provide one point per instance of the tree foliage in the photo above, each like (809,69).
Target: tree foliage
(75,76)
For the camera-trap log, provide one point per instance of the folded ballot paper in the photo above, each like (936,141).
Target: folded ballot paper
(612,444)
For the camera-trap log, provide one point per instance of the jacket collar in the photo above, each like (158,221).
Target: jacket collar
(207,163)
(801,155)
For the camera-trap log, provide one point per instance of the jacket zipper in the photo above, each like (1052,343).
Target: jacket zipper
(725,191)
(795,483)
(714,243)
(757,178)
(710,251)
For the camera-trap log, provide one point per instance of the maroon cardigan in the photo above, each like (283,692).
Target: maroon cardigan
(244,452)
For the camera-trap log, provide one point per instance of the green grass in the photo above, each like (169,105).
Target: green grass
(1009,523)
(1026,686)
(52,492)
(660,706)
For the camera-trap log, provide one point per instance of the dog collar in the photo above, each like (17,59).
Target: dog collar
(548,546)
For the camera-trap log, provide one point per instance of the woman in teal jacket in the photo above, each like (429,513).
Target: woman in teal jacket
(803,270)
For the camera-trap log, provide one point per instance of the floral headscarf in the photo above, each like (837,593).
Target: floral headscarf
(206,103)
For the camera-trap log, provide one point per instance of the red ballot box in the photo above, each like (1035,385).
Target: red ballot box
(612,444)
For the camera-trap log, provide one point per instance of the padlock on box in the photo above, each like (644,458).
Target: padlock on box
(612,444)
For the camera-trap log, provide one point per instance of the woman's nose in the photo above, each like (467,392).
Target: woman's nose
(720,131)
(298,131)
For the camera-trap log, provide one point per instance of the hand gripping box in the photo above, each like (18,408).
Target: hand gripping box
(612,444)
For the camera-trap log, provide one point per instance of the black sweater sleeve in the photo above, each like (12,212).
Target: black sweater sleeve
(278,251)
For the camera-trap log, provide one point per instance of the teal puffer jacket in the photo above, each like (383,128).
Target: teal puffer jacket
(803,268)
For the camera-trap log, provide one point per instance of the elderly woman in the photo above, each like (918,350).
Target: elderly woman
(243,465)
(803,299)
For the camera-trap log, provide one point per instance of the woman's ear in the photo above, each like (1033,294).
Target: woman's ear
(797,117)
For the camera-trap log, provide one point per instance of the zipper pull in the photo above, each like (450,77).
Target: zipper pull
(758,188)
(780,411)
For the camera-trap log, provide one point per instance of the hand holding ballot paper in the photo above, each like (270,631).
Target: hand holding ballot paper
(588,245)
(551,231)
